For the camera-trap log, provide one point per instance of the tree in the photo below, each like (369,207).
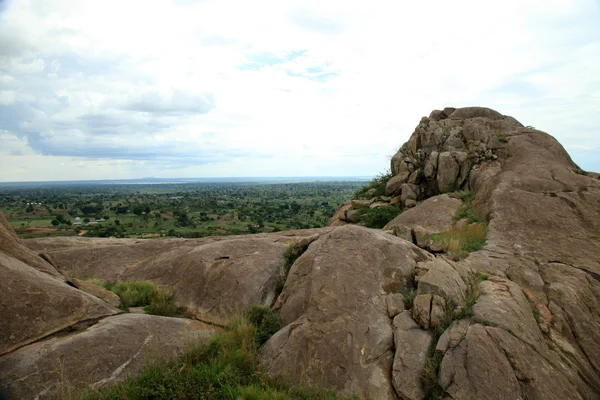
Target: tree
(117,222)
(55,222)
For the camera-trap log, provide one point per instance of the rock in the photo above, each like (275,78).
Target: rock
(452,336)
(371,192)
(403,233)
(395,304)
(379,204)
(204,275)
(415,177)
(448,170)
(409,192)
(410,203)
(443,280)
(112,349)
(29,299)
(340,214)
(97,291)
(393,186)
(421,237)
(435,214)
(448,111)
(396,200)
(360,203)
(421,311)
(438,311)
(474,112)
(346,327)
(411,345)
(351,216)
(431,165)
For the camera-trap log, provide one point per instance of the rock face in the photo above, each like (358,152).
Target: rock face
(114,348)
(338,330)
(212,277)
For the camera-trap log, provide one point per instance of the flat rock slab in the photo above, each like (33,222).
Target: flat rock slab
(112,349)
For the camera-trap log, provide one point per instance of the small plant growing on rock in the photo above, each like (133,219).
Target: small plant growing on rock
(502,137)
(265,321)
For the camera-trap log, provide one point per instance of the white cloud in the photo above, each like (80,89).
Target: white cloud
(311,87)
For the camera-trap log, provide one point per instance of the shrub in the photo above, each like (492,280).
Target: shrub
(161,303)
(502,137)
(135,293)
(377,217)
(378,183)
(265,321)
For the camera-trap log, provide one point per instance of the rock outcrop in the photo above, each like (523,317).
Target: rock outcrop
(365,311)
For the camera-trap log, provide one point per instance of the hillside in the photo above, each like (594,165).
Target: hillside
(486,285)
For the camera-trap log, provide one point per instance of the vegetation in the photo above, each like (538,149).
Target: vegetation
(224,367)
(375,188)
(409,297)
(265,321)
(377,217)
(175,209)
(144,294)
(502,137)
(462,239)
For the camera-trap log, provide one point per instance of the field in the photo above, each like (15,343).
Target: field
(170,209)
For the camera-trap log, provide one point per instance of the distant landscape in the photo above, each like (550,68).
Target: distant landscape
(152,207)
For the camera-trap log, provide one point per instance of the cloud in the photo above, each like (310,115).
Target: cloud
(311,87)
(176,103)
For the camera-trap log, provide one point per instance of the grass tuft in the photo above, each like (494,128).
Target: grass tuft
(135,293)
(462,240)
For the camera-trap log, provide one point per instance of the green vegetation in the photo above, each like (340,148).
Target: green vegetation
(530,127)
(265,321)
(409,297)
(224,367)
(464,238)
(503,137)
(144,294)
(430,374)
(178,209)
(375,188)
(536,315)
(290,256)
(377,217)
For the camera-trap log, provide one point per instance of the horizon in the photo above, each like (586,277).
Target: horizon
(93,91)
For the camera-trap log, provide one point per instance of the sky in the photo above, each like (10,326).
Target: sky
(182,88)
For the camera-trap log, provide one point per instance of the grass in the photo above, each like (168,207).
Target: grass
(224,367)
(145,294)
(377,217)
(462,240)
(378,183)
(409,297)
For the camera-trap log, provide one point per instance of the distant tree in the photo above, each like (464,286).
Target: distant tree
(106,217)
(86,220)
(55,222)
(29,208)
(117,222)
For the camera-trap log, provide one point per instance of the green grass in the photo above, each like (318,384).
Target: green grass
(161,303)
(409,297)
(224,367)
(463,240)
(135,293)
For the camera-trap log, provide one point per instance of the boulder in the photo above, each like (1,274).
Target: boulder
(448,170)
(393,186)
(108,351)
(443,280)
(337,333)
(435,214)
(421,311)
(412,345)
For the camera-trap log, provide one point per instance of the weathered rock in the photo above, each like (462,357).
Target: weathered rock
(448,170)
(211,277)
(96,290)
(421,311)
(379,204)
(412,345)
(421,237)
(410,203)
(409,192)
(110,350)
(338,218)
(452,336)
(338,333)
(393,186)
(435,214)
(35,305)
(395,304)
(443,280)
(438,311)
(360,203)
(403,233)
(351,216)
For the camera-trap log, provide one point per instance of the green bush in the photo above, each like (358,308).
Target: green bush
(377,217)
(265,321)
(224,367)
(378,183)
(135,293)
(161,303)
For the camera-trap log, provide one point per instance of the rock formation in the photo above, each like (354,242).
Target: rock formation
(379,313)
